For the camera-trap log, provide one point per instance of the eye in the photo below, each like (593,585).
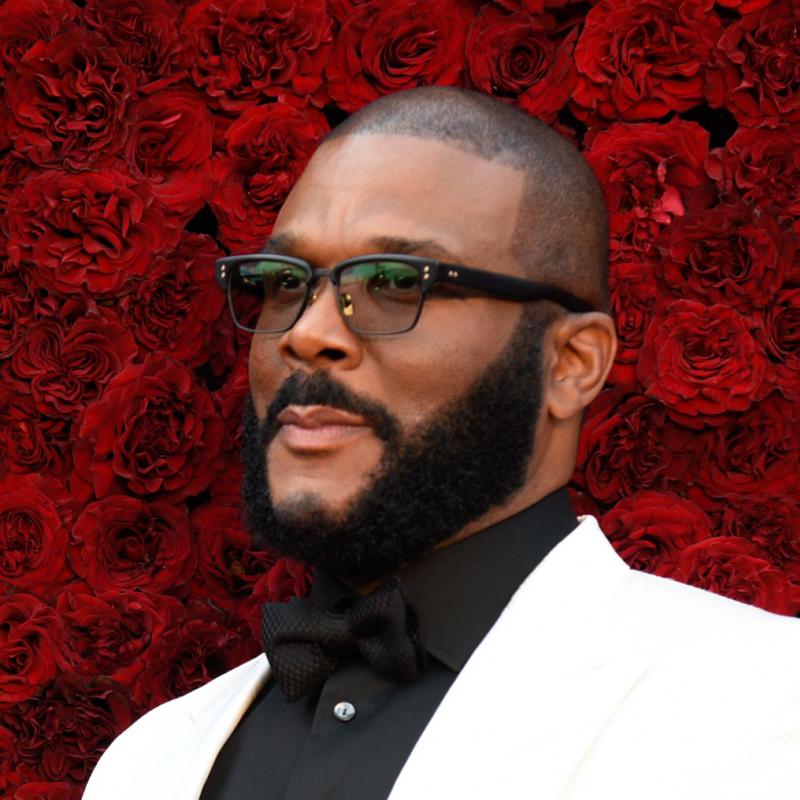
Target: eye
(288,280)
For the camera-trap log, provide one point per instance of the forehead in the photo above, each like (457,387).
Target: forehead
(367,187)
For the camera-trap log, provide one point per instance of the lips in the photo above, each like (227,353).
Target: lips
(315,428)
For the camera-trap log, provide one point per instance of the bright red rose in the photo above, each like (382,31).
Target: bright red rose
(245,51)
(389,45)
(169,148)
(266,149)
(521,59)
(650,529)
(108,634)
(173,309)
(122,543)
(68,99)
(727,254)
(64,732)
(642,59)
(85,234)
(762,167)
(755,71)
(35,517)
(30,647)
(628,444)
(650,175)
(735,568)
(782,327)
(702,362)
(155,431)
(144,33)
(66,366)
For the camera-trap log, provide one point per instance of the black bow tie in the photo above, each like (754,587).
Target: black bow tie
(304,643)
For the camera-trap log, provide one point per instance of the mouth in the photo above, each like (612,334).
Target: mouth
(314,429)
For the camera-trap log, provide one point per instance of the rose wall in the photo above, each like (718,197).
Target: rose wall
(141,139)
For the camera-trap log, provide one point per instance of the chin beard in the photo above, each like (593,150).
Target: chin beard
(470,456)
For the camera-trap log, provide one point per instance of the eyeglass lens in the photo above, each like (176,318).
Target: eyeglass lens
(374,296)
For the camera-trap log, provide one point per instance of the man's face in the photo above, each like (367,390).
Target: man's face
(371,194)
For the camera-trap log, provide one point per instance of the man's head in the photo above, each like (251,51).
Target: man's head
(365,451)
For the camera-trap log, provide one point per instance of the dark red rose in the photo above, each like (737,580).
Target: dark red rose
(628,444)
(727,254)
(68,100)
(16,310)
(245,51)
(519,58)
(641,59)
(226,489)
(285,579)
(23,23)
(189,655)
(144,33)
(155,431)
(744,6)
(755,70)
(782,327)
(650,175)
(229,564)
(173,309)
(702,362)
(169,148)
(634,297)
(35,517)
(64,732)
(66,366)
(30,647)
(13,773)
(266,149)
(389,45)
(49,790)
(762,167)
(85,234)
(735,568)
(108,634)
(122,543)
(650,529)
(14,171)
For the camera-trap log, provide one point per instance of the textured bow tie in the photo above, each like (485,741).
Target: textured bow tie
(304,643)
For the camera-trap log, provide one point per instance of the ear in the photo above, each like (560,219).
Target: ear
(580,351)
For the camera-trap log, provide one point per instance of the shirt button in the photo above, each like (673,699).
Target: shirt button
(344,712)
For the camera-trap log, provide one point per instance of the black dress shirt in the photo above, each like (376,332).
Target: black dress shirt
(305,751)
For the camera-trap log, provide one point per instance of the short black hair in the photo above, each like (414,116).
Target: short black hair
(561,235)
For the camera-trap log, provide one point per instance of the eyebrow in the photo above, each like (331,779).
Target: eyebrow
(287,244)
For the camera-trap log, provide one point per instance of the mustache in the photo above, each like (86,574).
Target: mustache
(320,389)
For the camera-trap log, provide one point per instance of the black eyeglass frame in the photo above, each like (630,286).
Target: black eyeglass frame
(431,272)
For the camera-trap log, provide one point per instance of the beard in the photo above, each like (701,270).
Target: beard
(470,456)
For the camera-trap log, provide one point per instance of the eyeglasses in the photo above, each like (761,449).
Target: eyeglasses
(376,294)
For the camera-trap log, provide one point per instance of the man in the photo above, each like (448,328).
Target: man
(431,322)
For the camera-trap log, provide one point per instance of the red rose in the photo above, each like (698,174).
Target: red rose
(85,234)
(520,58)
(108,634)
(226,489)
(16,310)
(144,33)
(735,568)
(642,59)
(68,99)
(245,51)
(762,167)
(650,175)
(122,543)
(30,649)
(727,255)
(14,171)
(49,790)
(66,367)
(634,297)
(64,732)
(266,150)
(755,71)
(169,148)
(154,431)
(702,362)
(286,579)
(650,529)
(630,444)
(783,342)
(173,309)
(389,45)
(35,516)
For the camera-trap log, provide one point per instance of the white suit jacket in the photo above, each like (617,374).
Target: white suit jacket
(595,682)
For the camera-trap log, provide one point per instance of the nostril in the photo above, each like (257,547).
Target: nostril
(332,353)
